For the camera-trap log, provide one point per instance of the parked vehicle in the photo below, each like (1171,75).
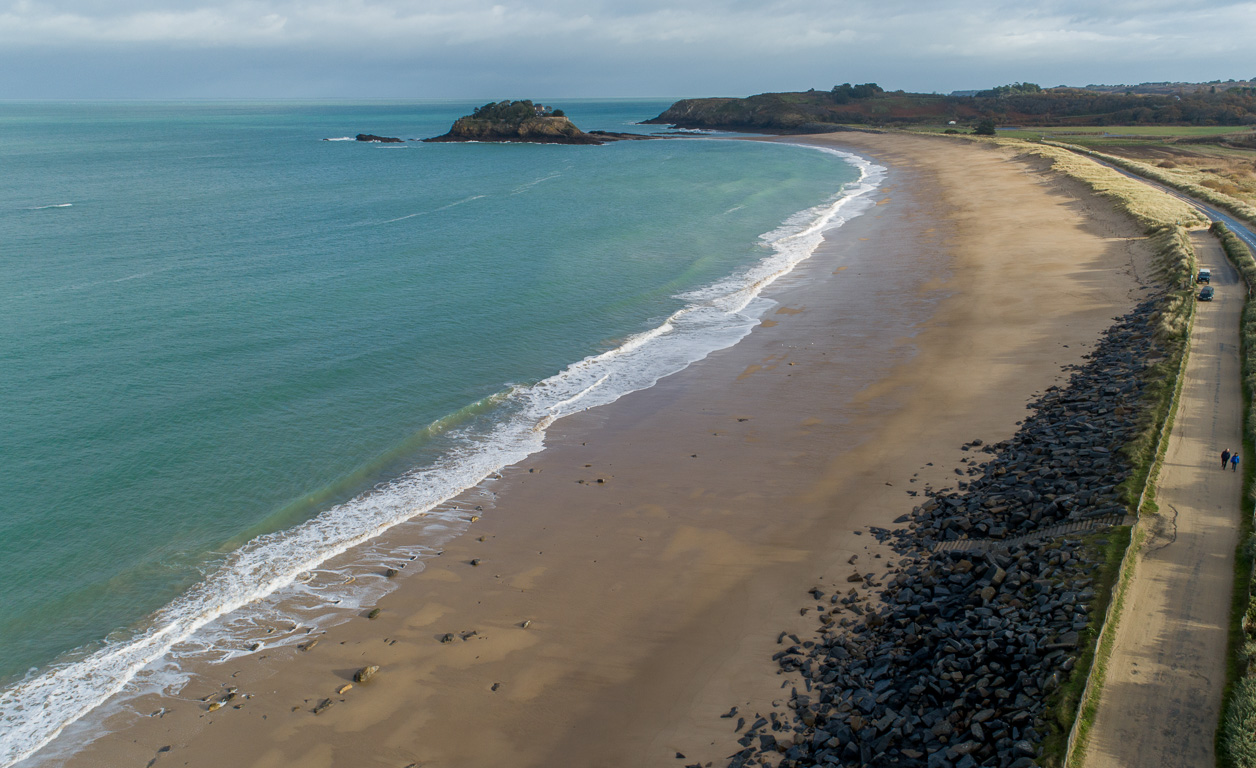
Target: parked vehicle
(1205,276)
(1205,293)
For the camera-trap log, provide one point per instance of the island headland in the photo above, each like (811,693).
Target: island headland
(846,107)
(525,121)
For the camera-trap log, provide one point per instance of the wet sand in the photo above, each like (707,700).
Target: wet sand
(656,596)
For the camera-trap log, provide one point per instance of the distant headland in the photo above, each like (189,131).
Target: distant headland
(1021,104)
(525,121)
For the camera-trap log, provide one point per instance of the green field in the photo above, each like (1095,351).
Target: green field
(1100,135)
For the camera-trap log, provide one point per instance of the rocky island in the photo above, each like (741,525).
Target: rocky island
(378,139)
(526,122)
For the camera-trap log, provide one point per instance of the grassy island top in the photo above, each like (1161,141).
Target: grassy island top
(524,121)
(514,111)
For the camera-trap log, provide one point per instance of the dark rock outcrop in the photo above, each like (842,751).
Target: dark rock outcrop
(761,114)
(380,139)
(537,130)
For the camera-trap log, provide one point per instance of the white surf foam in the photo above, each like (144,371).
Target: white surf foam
(46,207)
(434,210)
(529,185)
(279,566)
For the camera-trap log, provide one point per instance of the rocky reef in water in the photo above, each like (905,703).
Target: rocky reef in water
(524,121)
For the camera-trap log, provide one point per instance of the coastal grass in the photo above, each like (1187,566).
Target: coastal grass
(1219,159)
(1152,208)
(1207,187)
(1236,732)
(1156,131)
(1109,547)
(1088,703)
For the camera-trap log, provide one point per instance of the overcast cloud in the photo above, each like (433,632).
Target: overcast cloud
(567,48)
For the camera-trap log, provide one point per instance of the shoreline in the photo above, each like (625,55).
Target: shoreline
(200,622)
(655,597)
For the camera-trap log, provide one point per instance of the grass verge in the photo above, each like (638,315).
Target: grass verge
(1236,733)
(1087,701)
(1064,704)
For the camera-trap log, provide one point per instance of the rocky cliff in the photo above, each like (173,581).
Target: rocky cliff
(765,112)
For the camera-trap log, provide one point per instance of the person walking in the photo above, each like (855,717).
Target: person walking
(1234,462)
(1225,457)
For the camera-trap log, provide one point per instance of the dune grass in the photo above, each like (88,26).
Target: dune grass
(1150,207)
(1065,705)
(1195,186)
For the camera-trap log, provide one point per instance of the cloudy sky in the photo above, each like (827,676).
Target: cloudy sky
(481,49)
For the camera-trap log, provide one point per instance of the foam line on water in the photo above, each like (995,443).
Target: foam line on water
(434,210)
(35,710)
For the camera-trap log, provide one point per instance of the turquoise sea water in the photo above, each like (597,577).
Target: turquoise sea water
(222,332)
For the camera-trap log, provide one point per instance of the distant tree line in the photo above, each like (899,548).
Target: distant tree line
(1024,104)
(1008,90)
(1232,107)
(843,93)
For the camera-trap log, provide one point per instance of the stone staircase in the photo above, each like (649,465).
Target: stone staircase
(1042,534)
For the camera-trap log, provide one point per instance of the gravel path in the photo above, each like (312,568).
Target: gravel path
(1162,694)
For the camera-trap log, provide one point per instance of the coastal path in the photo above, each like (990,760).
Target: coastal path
(1162,694)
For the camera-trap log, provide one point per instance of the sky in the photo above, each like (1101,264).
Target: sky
(493,49)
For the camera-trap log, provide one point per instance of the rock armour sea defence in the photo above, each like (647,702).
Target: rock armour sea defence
(951,663)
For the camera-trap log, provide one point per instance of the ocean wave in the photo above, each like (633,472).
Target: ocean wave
(54,205)
(529,185)
(276,569)
(434,210)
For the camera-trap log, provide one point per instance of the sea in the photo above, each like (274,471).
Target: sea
(236,344)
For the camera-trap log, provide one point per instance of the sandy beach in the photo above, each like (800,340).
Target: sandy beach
(659,546)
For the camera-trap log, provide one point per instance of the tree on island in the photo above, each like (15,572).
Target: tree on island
(985,127)
(513,112)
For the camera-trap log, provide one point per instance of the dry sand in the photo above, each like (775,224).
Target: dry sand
(656,597)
